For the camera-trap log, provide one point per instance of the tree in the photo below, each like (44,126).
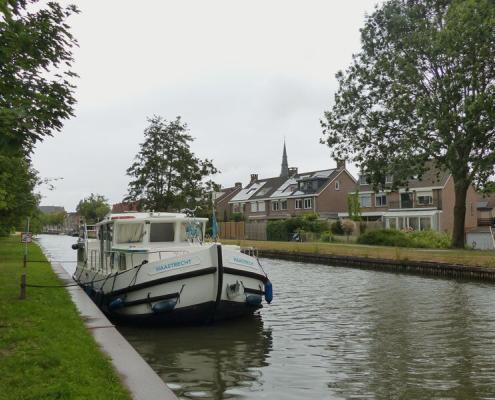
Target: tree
(35,96)
(353,206)
(93,208)
(421,89)
(167,175)
(17,197)
(348,226)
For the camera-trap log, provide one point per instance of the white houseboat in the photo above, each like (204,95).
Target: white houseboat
(157,268)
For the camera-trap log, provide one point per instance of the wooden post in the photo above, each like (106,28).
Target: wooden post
(23,287)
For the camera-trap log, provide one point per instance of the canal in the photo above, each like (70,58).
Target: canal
(332,333)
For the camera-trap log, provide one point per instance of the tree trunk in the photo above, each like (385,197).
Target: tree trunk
(460,186)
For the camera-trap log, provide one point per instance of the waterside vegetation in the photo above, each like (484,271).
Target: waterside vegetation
(46,351)
(449,256)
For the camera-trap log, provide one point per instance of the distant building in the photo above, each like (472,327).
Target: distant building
(72,221)
(51,209)
(292,193)
(222,207)
(426,203)
(126,206)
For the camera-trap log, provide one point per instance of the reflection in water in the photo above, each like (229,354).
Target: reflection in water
(334,333)
(206,361)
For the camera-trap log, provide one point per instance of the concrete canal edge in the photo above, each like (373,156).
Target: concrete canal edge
(142,382)
(405,266)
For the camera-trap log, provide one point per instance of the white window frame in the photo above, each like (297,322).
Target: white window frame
(261,206)
(254,206)
(430,202)
(389,178)
(367,197)
(275,206)
(362,180)
(282,202)
(298,204)
(308,200)
(382,195)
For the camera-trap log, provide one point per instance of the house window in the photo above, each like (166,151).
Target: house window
(236,207)
(299,204)
(261,206)
(365,200)
(425,199)
(275,206)
(308,203)
(425,223)
(283,205)
(337,185)
(254,206)
(389,178)
(380,200)
(362,180)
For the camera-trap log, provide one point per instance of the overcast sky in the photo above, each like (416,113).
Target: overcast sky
(244,75)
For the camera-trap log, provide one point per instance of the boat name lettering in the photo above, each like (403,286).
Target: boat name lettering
(186,262)
(242,261)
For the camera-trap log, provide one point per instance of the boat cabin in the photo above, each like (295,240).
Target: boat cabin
(126,240)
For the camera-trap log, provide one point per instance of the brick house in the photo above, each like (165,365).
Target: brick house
(426,203)
(222,207)
(485,208)
(293,193)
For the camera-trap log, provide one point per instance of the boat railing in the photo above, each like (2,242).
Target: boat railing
(112,258)
(250,251)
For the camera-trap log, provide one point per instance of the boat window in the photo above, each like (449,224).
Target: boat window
(191,230)
(130,233)
(162,232)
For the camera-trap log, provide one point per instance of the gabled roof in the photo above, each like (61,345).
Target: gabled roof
(283,187)
(432,177)
(226,193)
(486,202)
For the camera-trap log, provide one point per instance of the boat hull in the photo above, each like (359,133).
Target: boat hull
(203,291)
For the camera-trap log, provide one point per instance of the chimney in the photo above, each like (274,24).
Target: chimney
(254,178)
(340,164)
(238,185)
(292,171)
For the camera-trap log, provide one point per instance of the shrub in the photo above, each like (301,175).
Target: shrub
(391,237)
(336,228)
(237,216)
(430,239)
(385,237)
(326,236)
(277,230)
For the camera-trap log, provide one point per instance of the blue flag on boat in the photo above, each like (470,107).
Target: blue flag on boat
(214,226)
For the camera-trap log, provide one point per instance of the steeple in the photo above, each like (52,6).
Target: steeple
(285,165)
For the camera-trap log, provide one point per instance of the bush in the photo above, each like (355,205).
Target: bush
(385,237)
(336,228)
(430,239)
(327,236)
(277,230)
(420,239)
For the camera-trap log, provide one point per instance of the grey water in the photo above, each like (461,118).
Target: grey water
(332,333)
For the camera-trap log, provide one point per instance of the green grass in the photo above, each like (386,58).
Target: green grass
(463,257)
(46,352)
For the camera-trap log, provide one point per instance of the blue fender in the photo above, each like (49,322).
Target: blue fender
(268,292)
(117,303)
(253,300)
(164,306)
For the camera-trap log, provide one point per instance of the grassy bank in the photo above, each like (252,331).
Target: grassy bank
(45,350)
(464,257)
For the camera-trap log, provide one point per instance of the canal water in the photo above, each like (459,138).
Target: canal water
(332,333)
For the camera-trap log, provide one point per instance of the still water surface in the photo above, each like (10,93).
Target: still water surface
(333,333)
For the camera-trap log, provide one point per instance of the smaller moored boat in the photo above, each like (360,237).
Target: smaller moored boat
(157,268)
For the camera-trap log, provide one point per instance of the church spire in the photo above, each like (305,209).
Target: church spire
(285,166)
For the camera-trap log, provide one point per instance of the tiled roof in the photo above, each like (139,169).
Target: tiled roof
(283,187)
(431,177)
